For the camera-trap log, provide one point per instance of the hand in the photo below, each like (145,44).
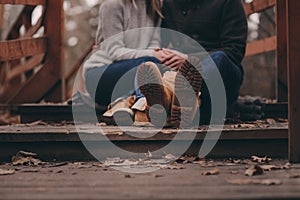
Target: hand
(175,59)
(95,48)
(161,55)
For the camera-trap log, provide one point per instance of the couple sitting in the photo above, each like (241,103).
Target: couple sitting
(166,83)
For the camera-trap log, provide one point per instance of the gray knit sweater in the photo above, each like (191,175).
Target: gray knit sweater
(124,32)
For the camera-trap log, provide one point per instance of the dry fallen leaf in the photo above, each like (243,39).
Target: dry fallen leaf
(255,182)
(59,171)
(211,172)
(234,172)
(172,167)
(98,165)
(270,167)
(287,166)
(271,121)
(127,176)
(254,170)
(56,165)
(170,157)
(7,118)
(102,124)
(4,172)
(200,162)
(159,176)
(243,126)
(209,163)
(261,160)
(294,176)
(186,159)
(36,123)
(239,161)
(26,154)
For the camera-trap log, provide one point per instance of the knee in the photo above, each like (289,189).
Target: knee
(219,56)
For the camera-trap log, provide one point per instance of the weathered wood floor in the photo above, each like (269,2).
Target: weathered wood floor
(87,181)
(90,180)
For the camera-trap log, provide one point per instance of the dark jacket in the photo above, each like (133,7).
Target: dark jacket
(215,24)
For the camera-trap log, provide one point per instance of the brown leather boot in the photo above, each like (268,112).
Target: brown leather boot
(185,105)
(159,97)
(140,114)
(119,112)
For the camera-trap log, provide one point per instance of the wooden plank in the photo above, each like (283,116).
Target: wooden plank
(261,46)
(68,133)
(54,28)
(24,2)
(32,30)
(293,47)
(102,184)
(282,92)
(2,10)
(15,49)
(3,73)
(33,91)
(88,180)
(29,65)
(63,142)
(258,6)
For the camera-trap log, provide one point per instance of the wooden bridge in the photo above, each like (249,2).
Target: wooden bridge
(32,65)
(32,70)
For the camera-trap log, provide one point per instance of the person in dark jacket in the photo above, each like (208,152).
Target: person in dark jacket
(220,27)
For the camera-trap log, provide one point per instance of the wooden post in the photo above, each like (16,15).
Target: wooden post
(54,29)
(293,49)
(1,19)
(282,93)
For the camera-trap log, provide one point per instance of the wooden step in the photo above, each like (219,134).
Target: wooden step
(61,142)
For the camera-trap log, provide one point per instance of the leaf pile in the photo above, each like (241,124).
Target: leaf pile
(26,159)
(4,172)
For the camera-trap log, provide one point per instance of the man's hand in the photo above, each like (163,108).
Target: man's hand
(175,59)
(161,55)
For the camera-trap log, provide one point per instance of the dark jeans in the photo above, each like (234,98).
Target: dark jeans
(101,82)
(232,76)
(108,83)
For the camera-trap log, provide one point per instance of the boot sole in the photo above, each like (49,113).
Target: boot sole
(121,117)
(188,83)
(151,85)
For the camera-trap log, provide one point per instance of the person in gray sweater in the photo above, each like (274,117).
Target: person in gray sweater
(128,35)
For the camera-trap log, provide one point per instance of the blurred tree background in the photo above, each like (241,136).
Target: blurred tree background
(81,25)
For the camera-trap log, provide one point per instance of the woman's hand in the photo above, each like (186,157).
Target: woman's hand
(175,59)
(95,48)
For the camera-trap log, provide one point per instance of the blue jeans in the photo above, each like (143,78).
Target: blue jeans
(231,74)
(100,82)
(107,83)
